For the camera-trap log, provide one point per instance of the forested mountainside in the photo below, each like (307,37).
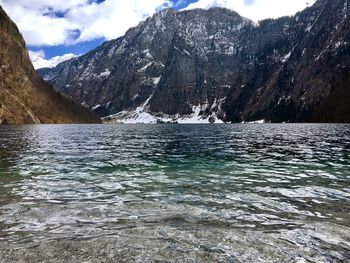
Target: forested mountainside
(214,65)
(24,97)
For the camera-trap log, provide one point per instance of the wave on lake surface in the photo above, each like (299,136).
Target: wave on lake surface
(175,193)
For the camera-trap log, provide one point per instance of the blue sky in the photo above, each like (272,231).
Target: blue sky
(56,30)
(82,48)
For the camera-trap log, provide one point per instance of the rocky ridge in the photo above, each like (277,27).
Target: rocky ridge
(24,97)
(214,65)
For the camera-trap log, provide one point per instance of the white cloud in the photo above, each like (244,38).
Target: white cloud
(112,18)
(39,61)
(55,22)
(257,9)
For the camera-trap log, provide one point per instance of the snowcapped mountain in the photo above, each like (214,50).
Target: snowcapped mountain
(39,61)
(214,65)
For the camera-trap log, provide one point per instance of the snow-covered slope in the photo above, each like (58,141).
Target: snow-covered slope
(143,115)
(39,61)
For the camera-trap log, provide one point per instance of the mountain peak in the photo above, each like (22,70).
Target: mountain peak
(216,65)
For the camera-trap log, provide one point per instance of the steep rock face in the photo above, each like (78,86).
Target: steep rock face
(316,68)
(216,64)
(162,63)
(24,97)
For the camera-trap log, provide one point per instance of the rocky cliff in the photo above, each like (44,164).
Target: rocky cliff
(24,97)
(214,65)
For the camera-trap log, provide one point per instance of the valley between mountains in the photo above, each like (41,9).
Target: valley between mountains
(194,66)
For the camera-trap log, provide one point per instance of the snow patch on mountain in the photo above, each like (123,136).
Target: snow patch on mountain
(106,73)
(141,115)
(39,61)
(156,80)
(286,57)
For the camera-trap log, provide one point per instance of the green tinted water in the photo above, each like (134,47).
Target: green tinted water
(175,193)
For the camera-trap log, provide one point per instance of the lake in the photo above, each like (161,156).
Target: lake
(175,193)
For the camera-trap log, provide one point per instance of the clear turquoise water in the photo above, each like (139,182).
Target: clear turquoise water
(175,193)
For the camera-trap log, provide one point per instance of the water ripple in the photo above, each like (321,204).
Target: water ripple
(229,193)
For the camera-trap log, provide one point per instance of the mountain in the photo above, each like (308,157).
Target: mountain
(214,65)
(24,97)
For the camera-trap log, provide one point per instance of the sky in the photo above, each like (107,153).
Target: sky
(56,30)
